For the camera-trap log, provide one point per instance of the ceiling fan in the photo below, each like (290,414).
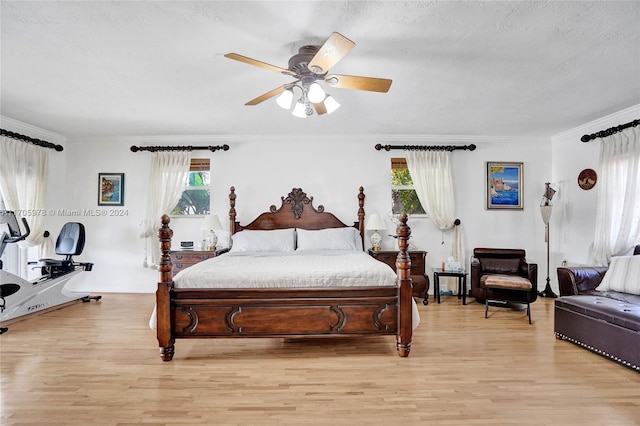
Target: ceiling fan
(309,66)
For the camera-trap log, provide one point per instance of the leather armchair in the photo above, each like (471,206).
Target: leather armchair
(502,261)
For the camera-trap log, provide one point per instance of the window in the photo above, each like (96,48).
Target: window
(195,197)
(403,195)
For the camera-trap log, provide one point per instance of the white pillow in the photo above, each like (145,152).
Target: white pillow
(270,240)
(623,275)
(329,239)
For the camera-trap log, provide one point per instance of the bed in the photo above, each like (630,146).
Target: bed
(321,283)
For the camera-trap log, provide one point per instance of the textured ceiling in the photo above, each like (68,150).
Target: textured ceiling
(103,69)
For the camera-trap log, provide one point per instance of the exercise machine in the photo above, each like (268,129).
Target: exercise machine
(18,296)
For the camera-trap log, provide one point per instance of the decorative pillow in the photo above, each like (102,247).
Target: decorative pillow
(329,239)
(271,240)
(622,275)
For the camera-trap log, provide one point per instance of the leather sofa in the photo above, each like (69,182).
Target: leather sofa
(605,322)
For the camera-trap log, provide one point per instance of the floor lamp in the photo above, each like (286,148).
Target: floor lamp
(545,209)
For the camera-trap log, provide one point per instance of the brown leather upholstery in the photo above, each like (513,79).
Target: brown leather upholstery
(505,262)
(606,322)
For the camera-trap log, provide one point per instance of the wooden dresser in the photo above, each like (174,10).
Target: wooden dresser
(419,279)
(182,259)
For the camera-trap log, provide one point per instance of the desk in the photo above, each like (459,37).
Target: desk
(462,283)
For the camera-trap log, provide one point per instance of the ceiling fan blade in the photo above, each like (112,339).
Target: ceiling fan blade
(335,48)
(268,95)
(358,83)
(320,108)
(257,63)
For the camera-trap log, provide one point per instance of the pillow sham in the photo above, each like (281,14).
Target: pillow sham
(268,240)
(622,275)
(328,239)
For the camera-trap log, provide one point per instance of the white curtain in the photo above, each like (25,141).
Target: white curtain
(433,181)
(618,197)
(23,183)
(167,180)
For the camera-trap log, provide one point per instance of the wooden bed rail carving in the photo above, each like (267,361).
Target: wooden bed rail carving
(163,296)
(296,211)
(403,266)
(297,198)
(360,222)
(165,234)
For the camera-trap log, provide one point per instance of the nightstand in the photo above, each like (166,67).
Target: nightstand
(182,259)
(420,280)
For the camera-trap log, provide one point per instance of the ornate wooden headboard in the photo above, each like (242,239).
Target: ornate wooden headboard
(296,211)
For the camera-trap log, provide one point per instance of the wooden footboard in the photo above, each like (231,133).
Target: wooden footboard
(234,313)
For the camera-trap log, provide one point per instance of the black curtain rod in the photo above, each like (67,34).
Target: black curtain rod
(34,141)
(224,147)
(471,147)
(610,131)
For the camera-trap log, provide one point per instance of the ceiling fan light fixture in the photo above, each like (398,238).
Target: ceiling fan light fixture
(285,99)
(310,66)
(315,94)
(333,80)
(331,104)
(300,110)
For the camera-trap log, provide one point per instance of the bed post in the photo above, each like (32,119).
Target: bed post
(403,268)
(166,342)
(232,212)
(361,214)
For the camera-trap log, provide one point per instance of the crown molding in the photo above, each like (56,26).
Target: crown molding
(17,126)
(303,138)
(615,119)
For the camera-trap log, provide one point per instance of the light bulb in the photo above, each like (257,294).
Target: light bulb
(315,94)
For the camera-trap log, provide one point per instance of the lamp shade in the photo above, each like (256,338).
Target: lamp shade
(316,94)
(331,104)
(299,110)
(549,192)
(285,99)
(210,222)
(375,223)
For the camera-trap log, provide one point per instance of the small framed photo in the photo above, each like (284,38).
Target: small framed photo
(111,189)
(504,185)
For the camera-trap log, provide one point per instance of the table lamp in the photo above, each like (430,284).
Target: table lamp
(209,225)
(375,224)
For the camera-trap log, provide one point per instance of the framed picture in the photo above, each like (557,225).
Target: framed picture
(111,189)
(504,185)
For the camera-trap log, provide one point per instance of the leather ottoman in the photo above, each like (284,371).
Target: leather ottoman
(603,325)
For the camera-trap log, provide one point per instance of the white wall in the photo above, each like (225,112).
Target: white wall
(573,219)
(331,168)
(262,169)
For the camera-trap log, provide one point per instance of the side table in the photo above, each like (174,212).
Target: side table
(182,259)
(462,283)
(419,279)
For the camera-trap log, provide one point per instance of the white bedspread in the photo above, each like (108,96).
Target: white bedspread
(294,269)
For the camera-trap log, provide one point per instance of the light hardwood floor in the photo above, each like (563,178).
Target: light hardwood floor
(98,363)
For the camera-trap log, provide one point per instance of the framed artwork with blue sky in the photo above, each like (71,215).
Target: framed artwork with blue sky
(504,185)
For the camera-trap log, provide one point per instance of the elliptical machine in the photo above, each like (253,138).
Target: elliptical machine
(20,297)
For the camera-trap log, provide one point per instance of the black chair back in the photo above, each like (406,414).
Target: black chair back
(70,242)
